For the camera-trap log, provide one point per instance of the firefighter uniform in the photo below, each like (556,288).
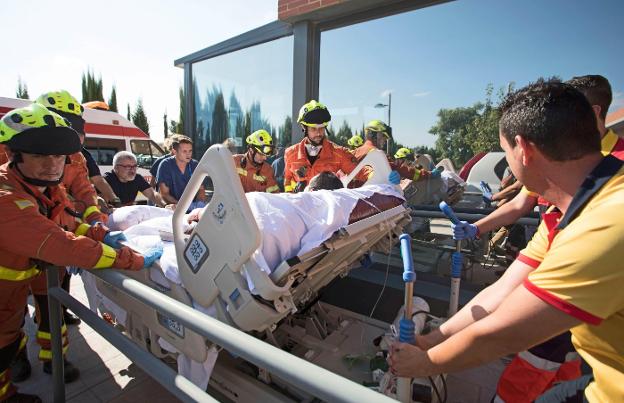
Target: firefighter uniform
(253,178)
(331,158)
(78,186)
(38,227)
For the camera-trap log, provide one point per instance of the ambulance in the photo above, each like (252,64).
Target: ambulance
(107,133)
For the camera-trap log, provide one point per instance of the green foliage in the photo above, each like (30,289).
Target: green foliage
(466,131)
(165,125)
(219,129)
(178,127)
(91,87)
(112,101)
(128,114)
(285,132)
(139,118)
(22,89)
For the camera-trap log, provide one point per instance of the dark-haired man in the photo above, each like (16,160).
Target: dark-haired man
(549,134)
(175,172)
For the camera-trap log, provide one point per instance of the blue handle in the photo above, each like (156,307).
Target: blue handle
(448,211)
(409,276)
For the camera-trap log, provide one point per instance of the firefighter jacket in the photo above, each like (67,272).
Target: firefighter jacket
(332,158)
(252,177)
(40,227)
(78,186)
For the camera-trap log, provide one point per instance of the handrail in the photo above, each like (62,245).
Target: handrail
(313,379)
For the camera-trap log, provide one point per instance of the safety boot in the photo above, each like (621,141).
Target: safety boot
(23,398)
(20,367)
(71,373)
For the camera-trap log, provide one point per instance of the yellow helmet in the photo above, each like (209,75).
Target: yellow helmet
(261,141)
(355,141)
(314,114)
(402,152)
(379,127)
(36,130)
(63,103)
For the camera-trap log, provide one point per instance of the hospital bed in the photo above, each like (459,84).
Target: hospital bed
(215,268)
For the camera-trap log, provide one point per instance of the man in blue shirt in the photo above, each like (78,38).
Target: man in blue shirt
(175,172)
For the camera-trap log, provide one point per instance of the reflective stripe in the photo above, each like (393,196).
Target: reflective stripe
(5,388)
(47,354)
(259,178)
(23,342)
(241,171)
(291,187)
(90,210)
(82,229)
(272,189)
(538,362)
(608,142)
(48,336)
(18,275)
(528,192)
(107,259)
(416,175)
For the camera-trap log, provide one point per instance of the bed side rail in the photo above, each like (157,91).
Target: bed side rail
(229,233)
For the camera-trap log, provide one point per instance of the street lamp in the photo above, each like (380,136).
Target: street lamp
(389,106)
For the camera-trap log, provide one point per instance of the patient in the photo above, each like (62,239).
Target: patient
(324,181)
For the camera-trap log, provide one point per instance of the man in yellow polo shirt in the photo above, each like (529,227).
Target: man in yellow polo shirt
(570,276)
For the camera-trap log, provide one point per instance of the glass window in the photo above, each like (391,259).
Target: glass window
(103,150)
(409,68)
(146,152)
(240,92)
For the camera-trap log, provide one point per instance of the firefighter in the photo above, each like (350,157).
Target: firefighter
(255,173)
(315,153)
(355,141)
(38,226)
(376,136)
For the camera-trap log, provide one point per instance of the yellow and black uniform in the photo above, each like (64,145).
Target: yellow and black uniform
(578,270)
(255,178)
(612,144)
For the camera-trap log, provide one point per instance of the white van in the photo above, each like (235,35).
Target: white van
(106,134)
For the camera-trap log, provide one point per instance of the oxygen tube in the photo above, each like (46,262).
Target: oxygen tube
(456,262)
(406,324)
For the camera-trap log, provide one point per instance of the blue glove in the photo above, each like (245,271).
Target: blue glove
(464,230)
(113,238)
(437,172)
(394,178)
(152,255)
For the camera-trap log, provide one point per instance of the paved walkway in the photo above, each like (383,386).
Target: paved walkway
(106,375)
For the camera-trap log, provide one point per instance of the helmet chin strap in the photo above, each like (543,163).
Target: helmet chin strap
(39,182)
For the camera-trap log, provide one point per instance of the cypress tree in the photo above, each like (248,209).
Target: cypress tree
(139,118)
(165,126)
(112,102)
(128,114)
(22,89)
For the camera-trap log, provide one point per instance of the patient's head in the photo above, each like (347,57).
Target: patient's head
(325,180)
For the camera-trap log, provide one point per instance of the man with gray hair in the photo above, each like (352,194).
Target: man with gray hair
(124,180)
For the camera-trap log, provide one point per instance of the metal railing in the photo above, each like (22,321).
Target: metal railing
(311,378)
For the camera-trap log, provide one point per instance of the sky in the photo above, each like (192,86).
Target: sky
(438,57)
(444,57)
(131,44)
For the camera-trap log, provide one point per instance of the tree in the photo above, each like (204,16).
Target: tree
(128,114)
(464,132)
(454,130)
(22,89)
(344,134)
(285,132)
(219,129)
(165,125)
(139,118)
(179,126)
(91,87)
(112,101)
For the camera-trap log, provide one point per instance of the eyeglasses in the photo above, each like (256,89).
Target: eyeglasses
(128,166)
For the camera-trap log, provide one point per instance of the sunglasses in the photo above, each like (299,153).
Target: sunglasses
(128,166)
